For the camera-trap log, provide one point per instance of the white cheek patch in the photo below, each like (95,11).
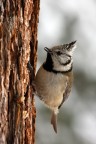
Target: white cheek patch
(59,67)
(64,59)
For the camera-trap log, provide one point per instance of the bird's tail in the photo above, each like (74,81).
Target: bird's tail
(54,121)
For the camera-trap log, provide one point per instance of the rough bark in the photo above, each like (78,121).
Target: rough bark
(18,45)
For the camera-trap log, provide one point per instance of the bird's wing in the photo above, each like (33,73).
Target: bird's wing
(65,94)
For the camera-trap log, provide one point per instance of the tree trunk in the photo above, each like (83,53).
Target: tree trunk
(18,46)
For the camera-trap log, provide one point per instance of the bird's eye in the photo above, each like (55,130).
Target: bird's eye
(58,52)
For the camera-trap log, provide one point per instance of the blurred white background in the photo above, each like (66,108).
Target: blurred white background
(60,22)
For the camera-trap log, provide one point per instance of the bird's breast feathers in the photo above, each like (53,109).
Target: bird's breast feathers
(51,87)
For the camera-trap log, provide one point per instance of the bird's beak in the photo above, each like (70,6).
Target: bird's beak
(48,50)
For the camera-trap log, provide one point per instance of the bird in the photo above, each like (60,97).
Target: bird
(53,81)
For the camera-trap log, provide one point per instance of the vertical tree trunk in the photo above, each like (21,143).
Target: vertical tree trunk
(18,45)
